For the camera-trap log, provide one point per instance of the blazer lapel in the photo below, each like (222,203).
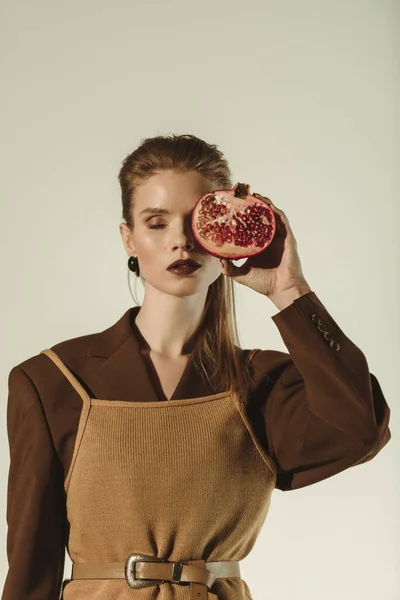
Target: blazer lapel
(117,370)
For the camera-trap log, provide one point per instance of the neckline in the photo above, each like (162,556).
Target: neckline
(144,350)
(158,403)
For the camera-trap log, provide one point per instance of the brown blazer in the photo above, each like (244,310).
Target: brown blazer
(316,410)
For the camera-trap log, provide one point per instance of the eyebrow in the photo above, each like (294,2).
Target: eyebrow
(157,210)
(154,210)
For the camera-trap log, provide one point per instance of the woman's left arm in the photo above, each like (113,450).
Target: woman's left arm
(325,411)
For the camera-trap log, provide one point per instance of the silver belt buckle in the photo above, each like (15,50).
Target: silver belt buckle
(130,574)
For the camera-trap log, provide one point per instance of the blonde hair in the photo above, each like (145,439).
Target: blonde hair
(218,354)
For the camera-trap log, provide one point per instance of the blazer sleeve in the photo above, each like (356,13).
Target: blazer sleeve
(35,498)
(325,411)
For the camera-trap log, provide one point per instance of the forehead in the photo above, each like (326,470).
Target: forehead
(172,190)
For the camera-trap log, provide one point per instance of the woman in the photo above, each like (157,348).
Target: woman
(151,449)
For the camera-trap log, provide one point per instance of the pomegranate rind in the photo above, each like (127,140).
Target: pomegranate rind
(218,245)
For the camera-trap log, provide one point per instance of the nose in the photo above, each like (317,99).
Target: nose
(184,236)
(187,244)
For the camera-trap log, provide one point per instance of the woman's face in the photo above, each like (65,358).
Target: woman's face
(158,239)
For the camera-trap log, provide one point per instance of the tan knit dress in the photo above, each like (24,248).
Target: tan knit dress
(180,480)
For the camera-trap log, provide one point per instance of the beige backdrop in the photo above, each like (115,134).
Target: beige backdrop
(302,98)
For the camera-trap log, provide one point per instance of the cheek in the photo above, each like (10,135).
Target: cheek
(152,253)
(148,244)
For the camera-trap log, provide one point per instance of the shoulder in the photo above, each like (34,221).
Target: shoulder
(38,364)
(31,377)
(76,352)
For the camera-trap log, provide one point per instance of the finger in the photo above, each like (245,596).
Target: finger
(275,209)
(271,204)
(228,268)
(267,200)
(282,216)
(285,221)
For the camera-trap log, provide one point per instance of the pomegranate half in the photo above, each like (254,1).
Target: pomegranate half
(233,223)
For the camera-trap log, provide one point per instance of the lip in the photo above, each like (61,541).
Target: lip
(184,269)
(191,263)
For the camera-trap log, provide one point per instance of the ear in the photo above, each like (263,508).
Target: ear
(127,239)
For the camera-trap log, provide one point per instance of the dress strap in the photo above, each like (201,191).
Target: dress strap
(71,378)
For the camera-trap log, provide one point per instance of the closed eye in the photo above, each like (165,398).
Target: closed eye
(156,226)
